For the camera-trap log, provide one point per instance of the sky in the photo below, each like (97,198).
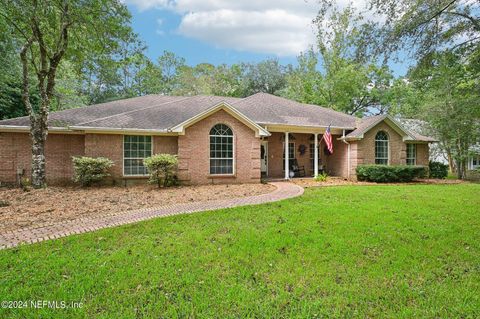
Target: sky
(229,31)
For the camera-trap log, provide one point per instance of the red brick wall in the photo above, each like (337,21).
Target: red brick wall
(165,145)
(15,153)
(109,146)
(194,152)
(363,151)
(336,163)
(366,146)
(422,154)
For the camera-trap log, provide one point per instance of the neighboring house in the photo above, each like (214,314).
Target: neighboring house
(474,160)
(217,139)
(437,153)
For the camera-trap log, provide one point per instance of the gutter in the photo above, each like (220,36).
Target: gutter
(27,128)
(307,126)
(348,154)
(118,130)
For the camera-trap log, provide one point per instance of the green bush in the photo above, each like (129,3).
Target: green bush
(322,177)
(390,174)
(89,170)
(25,184)
(162,169)
(438,170)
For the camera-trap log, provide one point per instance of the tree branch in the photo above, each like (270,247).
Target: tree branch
(436,14)
(62,45)
(475,22)
(25,86)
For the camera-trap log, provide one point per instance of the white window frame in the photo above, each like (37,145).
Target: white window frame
(388,149)
(224,158)
(477,158)
(414,158)
(134,158)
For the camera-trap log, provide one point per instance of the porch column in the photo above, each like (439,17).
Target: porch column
(287,173)
(315,157)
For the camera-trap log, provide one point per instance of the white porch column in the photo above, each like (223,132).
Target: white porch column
(287,173)
(315,157)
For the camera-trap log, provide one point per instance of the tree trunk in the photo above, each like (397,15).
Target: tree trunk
(38,134)
(451,162)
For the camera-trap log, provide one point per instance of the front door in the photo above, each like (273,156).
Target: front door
(264,158)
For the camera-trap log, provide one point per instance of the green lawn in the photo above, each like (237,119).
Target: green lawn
(356,251)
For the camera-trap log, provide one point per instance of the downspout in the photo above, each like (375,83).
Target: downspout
(348,154)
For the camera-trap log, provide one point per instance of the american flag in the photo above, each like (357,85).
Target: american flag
(328,140)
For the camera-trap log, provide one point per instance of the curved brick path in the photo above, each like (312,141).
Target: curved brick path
(31,235)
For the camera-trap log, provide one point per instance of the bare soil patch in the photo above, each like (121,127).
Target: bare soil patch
(40,207)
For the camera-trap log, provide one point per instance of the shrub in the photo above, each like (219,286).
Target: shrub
(390,174)
(438,170)
(322,177)
(25,184)
(162,169)
(89,170)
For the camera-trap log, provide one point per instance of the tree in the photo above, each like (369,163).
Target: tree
(197,80)
(267,76)
(444,91)
(68,89)
(341,74)
(426,26)
(48,33)
(450,94)
(304,82)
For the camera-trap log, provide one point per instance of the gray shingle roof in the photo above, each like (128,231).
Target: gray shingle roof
(270,109)
(159,112)
(365,124)
(162,112)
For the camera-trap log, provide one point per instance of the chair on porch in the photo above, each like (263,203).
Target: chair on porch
(299,171)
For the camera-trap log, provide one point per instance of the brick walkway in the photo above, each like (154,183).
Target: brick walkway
(31,235)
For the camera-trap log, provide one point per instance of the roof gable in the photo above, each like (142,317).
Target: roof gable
(259,131)
(368,123)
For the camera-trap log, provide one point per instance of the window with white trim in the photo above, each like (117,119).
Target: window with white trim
(411,154)
(221,150)
(475,162)
(381,148)
(291,153)
(135,149)
(312,157)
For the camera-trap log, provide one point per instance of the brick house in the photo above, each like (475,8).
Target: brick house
(217,139)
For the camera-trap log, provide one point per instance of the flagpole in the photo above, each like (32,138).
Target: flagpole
(323,135)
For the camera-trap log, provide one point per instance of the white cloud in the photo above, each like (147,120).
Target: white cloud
(272,31)
(279,27)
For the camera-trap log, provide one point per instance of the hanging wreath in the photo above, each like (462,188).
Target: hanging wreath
(302,149)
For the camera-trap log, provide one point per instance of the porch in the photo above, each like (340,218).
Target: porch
(305,153)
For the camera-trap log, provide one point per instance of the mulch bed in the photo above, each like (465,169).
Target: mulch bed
(337,181)
(39,207)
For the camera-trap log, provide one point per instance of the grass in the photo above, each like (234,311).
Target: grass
(352,251)
(451,176)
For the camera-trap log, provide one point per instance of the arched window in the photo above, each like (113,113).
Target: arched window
(381,148)
(221,150)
